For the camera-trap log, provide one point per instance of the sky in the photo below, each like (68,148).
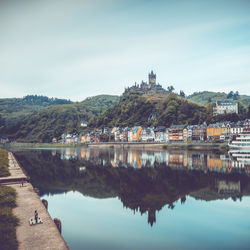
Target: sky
(74,49)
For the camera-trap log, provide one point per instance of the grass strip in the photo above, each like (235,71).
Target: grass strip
(4,163)
(8,221)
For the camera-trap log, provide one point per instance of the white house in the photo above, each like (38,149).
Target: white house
(226,106)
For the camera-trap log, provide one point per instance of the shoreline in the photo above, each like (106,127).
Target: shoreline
(141,145)
(40,236)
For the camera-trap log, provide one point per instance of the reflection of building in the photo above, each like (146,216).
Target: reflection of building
(53,152)
(117,157)
(68,154)
(240,158)
(214,162)
(197,161)
(228,187)
(177,159)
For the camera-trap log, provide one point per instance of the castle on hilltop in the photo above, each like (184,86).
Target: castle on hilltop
(147,88)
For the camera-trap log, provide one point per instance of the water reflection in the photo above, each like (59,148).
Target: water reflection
(235,161)
(144,181)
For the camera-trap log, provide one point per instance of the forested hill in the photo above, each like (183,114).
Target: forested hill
(145,110)
(14,110)
(161,110)
(205,97)
(54,120)
(22,106)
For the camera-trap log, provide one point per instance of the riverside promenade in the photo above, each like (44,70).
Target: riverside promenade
(40,236)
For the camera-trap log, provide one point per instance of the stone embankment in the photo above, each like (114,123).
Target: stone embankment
(38,236)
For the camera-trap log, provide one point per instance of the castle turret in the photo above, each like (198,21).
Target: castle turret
(151,78)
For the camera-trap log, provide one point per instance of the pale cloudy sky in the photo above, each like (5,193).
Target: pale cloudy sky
(78,48)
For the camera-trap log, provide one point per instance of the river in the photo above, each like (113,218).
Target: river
(144,199)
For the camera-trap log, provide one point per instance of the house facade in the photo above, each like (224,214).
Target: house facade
(213,131)
(177,133)
(226,106)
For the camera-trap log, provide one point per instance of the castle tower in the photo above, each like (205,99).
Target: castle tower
(151,78)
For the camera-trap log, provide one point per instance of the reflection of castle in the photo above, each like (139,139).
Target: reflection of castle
(150,87)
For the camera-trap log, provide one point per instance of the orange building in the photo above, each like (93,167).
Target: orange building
(214,131)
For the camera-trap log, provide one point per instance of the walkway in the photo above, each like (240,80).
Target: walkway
(40,236)
(16,173)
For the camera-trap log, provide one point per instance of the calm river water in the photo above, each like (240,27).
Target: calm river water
(137,199)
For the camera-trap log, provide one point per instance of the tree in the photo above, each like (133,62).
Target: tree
(1,121)
(230,95)
(170,88)
(209,109)
(248,112)
(182,94)
(236,95)
(241,110)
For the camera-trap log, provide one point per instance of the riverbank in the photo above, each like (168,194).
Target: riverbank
(39,236)
(4,165)
(165,146)
(8,221)
(139,145)
(39,145)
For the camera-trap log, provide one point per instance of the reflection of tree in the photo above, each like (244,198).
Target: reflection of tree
(146,190)
(183,199)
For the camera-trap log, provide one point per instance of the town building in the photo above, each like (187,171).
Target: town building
(160,134)
(147,135)
(225,106)
(213,131)
(246,125)
(177,133)
(134,134)
(84,124)
(236,128)
(198,132)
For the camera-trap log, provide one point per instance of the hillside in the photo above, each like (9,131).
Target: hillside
(14,110)
(146,110)
(52,121)
(14,107)
(205,97)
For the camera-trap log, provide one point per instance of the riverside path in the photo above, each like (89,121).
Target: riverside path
(40,236)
